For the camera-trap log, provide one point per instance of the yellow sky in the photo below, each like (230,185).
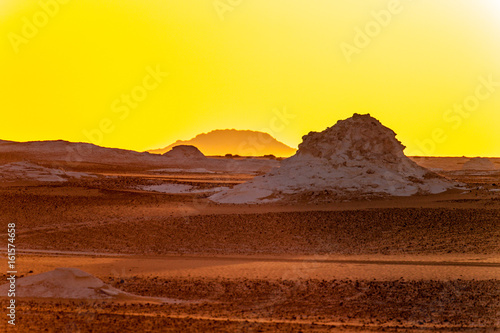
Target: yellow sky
(142,74)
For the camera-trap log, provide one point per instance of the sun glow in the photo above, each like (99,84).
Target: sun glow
(142,75)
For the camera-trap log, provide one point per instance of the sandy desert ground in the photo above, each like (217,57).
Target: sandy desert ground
(386,264)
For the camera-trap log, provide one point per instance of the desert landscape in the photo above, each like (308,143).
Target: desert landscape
(249,166)
(148,242)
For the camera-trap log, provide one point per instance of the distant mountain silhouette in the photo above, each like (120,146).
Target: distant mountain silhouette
(72,152)
(88,157)
(236,142)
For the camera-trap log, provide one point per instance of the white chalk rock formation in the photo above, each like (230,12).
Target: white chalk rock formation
(356,157)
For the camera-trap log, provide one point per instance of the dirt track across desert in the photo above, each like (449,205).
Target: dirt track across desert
(275,267)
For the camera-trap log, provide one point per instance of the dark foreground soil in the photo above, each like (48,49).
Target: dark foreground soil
(382,231)
(244,305)
(112,218)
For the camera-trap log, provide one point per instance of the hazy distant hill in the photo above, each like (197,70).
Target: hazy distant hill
(231,141)
(72,152)
(89,157)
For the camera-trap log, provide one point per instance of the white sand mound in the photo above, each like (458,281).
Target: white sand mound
(63,283)
(74,284)
(479,164)
(177,188)
(28,171)
(356,157)
(185,152)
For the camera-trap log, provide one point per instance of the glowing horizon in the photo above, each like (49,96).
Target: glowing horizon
(141,76)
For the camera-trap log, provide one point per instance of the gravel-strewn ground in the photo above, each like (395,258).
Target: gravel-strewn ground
(439,302)
(385,231)
(301,305)
(108,217)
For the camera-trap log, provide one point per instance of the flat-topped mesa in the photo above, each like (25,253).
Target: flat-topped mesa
(355,157)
